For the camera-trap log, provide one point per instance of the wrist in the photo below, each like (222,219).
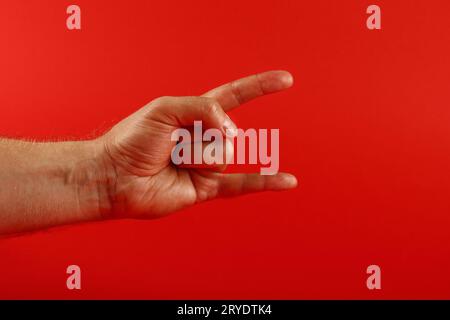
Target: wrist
(94,179)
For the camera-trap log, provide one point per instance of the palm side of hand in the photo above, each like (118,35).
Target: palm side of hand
(148,185)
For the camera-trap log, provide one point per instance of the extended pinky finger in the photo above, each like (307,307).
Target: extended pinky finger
(239,183)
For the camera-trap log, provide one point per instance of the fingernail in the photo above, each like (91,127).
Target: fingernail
(230,128)
(288,80)
(290,180)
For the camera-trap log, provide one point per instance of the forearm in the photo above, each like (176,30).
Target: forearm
(48,184)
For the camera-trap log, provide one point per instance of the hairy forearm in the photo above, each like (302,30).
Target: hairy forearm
(48,184)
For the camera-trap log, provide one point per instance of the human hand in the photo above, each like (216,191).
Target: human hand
(136,152)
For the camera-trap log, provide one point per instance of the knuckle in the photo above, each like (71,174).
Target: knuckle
(160,101)
(211,106)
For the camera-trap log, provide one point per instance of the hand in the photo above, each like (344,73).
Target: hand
(137,152)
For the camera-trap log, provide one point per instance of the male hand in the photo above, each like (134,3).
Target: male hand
(137,152)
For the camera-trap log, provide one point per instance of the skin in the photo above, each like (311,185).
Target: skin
(128,173)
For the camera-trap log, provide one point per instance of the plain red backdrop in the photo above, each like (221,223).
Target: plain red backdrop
(366,129)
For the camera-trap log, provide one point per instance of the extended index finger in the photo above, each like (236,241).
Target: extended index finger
(235,93)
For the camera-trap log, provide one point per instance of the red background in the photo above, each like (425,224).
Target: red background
(365,128)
